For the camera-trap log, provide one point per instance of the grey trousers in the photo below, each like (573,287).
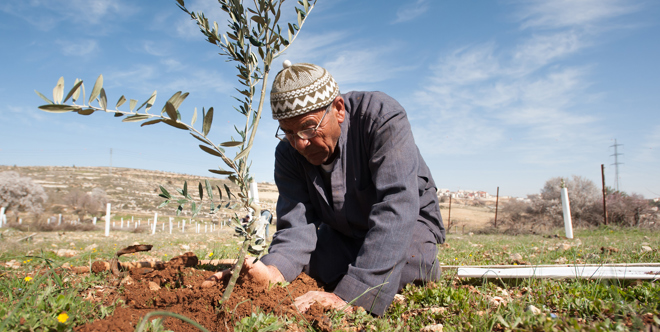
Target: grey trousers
(335,252)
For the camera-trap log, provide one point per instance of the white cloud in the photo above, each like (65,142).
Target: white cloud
(570,13)
(410,11)
(95,12)
(80,47)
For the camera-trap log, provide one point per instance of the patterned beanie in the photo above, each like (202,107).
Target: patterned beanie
(301,88)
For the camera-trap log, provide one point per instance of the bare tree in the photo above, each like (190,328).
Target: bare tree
(86,203)
(21,194)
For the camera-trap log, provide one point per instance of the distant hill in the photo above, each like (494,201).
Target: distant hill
(130,191)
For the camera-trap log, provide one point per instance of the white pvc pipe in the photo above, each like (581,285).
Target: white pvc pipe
(566,206)
(94,221)
(155,222)
(254,191)
(2,216)
(170,225)
(577,271)
(107,220)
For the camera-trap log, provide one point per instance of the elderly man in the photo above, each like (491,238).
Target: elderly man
(357,207)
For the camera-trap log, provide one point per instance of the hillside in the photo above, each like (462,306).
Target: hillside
(130,191)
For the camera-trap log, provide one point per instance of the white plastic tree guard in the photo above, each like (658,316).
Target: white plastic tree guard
(254,191)
(2,216)
(563,272)
(107,220)
(566,207)
(155,222)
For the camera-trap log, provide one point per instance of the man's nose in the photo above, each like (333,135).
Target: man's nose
(299,143)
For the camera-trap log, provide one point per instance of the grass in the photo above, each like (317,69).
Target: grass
(33,297)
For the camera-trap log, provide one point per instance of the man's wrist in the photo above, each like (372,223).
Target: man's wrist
(275,274)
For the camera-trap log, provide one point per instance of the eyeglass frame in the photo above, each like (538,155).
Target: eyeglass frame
(298,133)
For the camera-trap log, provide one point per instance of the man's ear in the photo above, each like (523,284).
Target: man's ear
(339,108)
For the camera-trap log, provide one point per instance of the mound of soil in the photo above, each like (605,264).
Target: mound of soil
(177,288)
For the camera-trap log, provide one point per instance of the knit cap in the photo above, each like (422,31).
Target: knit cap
(301,88)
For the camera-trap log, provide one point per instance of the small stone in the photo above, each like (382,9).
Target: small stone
(127,280)
(437,310)
(561,260)
(90,247)
(534,310)
(66,252)
(432,328)
(53,245)
(72,244)
(400,299)
(135,243)
(564,246)
(153,286)
(515,257)
(496,301)
(646,249)
(471,234)
(184,247)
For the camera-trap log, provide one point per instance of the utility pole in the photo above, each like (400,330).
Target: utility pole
(497,201)
(602,175)
(616,163)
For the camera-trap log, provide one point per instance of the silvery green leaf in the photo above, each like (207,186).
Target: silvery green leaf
(43,97)
(96,89)
(228,192)
(163,204)
(219,191)
(220,172)
(194,208)
(148,123)
(243,153)
(103,100)
(76,93)
(58,91)
(209,189)
(137,117)
(230,144)
(306,4)
(182,201)
(259,241)
(86,111)
(171,111)
(208,119)
(174,97)
(75,90)
(185,188)
(210,151)
(165,192)
(175,124)
(201,191)
(194,118)
(132,104)
(179,100)
(149,101)
(53,108)
(121,101)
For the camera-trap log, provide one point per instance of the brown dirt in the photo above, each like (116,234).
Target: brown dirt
(177,288)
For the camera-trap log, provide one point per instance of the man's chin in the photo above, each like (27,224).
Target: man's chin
(315,160)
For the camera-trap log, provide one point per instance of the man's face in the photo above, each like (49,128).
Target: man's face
(319,148)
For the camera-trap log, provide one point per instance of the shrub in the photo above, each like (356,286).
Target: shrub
(21,194)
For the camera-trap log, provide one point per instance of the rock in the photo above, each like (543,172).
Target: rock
(153,286)
(14,264)
(400,299)
(135,243)
(561,260)
(72,244)
(534,310)
(608,250)
(432,328)
(184,247)
(646,249)
(564,246)
(496,301)
(515,257)
(66,252)
(470,234)
(53,245)
(127,281)
(90,247)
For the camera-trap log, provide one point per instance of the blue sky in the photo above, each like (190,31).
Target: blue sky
(499,93)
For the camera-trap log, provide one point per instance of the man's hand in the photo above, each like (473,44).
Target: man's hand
(259,272)
(302,303)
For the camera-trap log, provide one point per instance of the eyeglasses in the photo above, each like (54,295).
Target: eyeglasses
(305,134)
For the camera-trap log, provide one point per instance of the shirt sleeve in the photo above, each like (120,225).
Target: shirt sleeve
(295,238)
(373,280)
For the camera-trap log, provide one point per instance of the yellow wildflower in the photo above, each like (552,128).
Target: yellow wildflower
(63,317)
(28,278)
(210,254)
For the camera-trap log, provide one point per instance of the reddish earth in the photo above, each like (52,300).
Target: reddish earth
(177,288)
